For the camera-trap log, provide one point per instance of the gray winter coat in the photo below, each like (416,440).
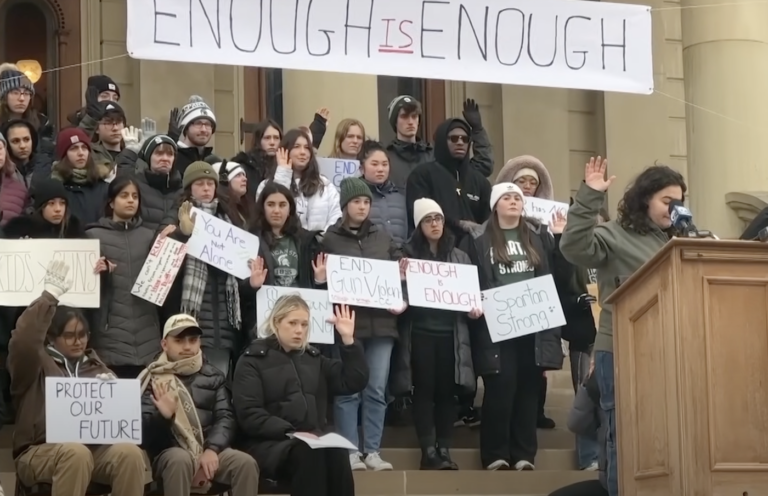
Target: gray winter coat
(388,210)
(125,329)
(400,378)
(159,192)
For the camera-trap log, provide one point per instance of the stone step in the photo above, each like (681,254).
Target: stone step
(469,438)
(469,459)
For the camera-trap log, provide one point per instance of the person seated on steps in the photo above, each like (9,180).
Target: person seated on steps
(51,340)
(188,423)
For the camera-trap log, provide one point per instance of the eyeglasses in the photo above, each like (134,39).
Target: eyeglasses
(436,220)
(71,338)
(456,138)
(19,93)
(202,124)
(111,123)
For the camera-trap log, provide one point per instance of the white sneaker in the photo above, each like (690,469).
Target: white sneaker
(593,467)
(524,465)
(374,462)
(498,465)
(356,461)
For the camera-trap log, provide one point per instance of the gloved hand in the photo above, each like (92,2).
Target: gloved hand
(106,376)
(148,128)
(55,282)
(92,105)
(186,219)
(173,122)
(132,138)
(472,115)
(586,300)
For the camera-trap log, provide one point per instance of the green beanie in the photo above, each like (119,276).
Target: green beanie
(199,170)
(351,188)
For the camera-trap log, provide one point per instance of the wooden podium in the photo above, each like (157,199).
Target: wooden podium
(691,358)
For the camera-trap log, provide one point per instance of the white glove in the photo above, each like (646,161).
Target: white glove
(132,138)
(56,282)
(148,128)
(106,376)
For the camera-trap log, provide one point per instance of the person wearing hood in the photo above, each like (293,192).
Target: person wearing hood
(106,90)
(51,340)
(388,208)
(84,179)
(14,195)
(17,94)
(460,189)
(126,328)
(23,143)
(261,158)
(195,127)
(50,218)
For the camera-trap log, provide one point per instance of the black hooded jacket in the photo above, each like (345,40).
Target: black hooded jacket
(461,190)
(40,162)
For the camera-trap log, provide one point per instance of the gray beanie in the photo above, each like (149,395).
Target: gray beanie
(393,109)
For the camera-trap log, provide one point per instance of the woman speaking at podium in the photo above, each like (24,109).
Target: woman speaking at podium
(617,249)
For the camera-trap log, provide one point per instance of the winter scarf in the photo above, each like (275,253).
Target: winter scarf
(187,429)
(76,176)
(196,277)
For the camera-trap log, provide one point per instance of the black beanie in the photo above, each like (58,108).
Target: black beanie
(104,83)
(47,190)
(146,150)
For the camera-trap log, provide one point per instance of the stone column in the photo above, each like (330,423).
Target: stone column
(725,51)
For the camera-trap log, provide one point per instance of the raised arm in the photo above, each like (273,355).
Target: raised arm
(349,375)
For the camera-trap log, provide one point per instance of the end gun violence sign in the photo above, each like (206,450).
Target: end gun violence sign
(552,43)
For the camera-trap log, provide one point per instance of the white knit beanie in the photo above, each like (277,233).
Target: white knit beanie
(423,207)
(502,189)
(231,170)
(195,109)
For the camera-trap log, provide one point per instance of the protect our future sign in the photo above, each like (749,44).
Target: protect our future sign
(552,43)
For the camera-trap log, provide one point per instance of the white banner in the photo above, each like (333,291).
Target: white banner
(92,411)
(554,43)
(336,169)
(320,310)
(364,282)
(444,286)
(522,308)
(543,210)
(222,245)
(23,263)
(159,270)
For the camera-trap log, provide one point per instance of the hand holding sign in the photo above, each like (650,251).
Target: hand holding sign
(594,174)
(167,231)
(186,219)
(475,313)
(403,264)
(281,158)
(258,272)
(344,320)
(318,266)
(165,399)
(56,282)
(103,265)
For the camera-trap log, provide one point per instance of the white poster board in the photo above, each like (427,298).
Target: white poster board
(320,310)
(555,43)
(330,440)
(92,411)
(543,210)
(364,282)
(159,270)
(222,245)
(522,308)
(336,169)
(444,286)
(23,263)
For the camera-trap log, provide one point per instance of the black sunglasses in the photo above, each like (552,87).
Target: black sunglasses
(458,138)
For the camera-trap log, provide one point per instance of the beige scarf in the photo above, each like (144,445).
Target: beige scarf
(186,424)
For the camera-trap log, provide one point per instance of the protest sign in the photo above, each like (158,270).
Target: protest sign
(442,285)
(364,282)
(320,310)
(159,270)
(555,43)
(23,263)
(522,308)
(543,210)
(92,411)
(330,440)
(336,169)
(222,245)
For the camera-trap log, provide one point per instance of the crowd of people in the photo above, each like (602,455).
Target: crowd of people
(125,185)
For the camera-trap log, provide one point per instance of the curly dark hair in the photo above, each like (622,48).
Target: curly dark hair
(633,207)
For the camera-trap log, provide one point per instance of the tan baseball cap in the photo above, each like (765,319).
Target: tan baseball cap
(180,323)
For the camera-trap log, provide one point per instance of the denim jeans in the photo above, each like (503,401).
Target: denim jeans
(374,398)
(587,448)
(605,382)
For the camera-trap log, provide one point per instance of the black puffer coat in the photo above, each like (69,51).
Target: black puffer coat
(86,201)
(548,347)
(214,408)
(388,209)
(126,329)
(275,393)
(256,164)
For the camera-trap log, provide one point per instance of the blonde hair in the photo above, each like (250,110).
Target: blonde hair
(283,306)
(341,132)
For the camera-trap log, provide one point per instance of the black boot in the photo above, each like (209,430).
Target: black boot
(430,460)
(445,455)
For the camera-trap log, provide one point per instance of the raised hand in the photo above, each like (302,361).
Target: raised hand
(258,272)
(186,219)
(92,106)
(472,114)
(56,282)
(318,266)
(324,113)
(558,222)
(148,128)
(132,138)
(344,320)
(594,174)
(173,122)
(165,399)
(281,157)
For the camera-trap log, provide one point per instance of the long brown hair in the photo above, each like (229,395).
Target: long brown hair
(310,182)
(341,133)
(242,211)
(64,169)
(30,115)
(499,242)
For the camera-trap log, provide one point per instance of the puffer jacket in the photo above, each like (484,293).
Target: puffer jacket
(125,329)
(404,157)
(548,347)
(400,378)
(370,241)
(87,200)
(275,392)
(316,213)
(14,197)
(388,209)
(209,392)
(159,192)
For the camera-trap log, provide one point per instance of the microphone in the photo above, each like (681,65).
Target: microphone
(682,218)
